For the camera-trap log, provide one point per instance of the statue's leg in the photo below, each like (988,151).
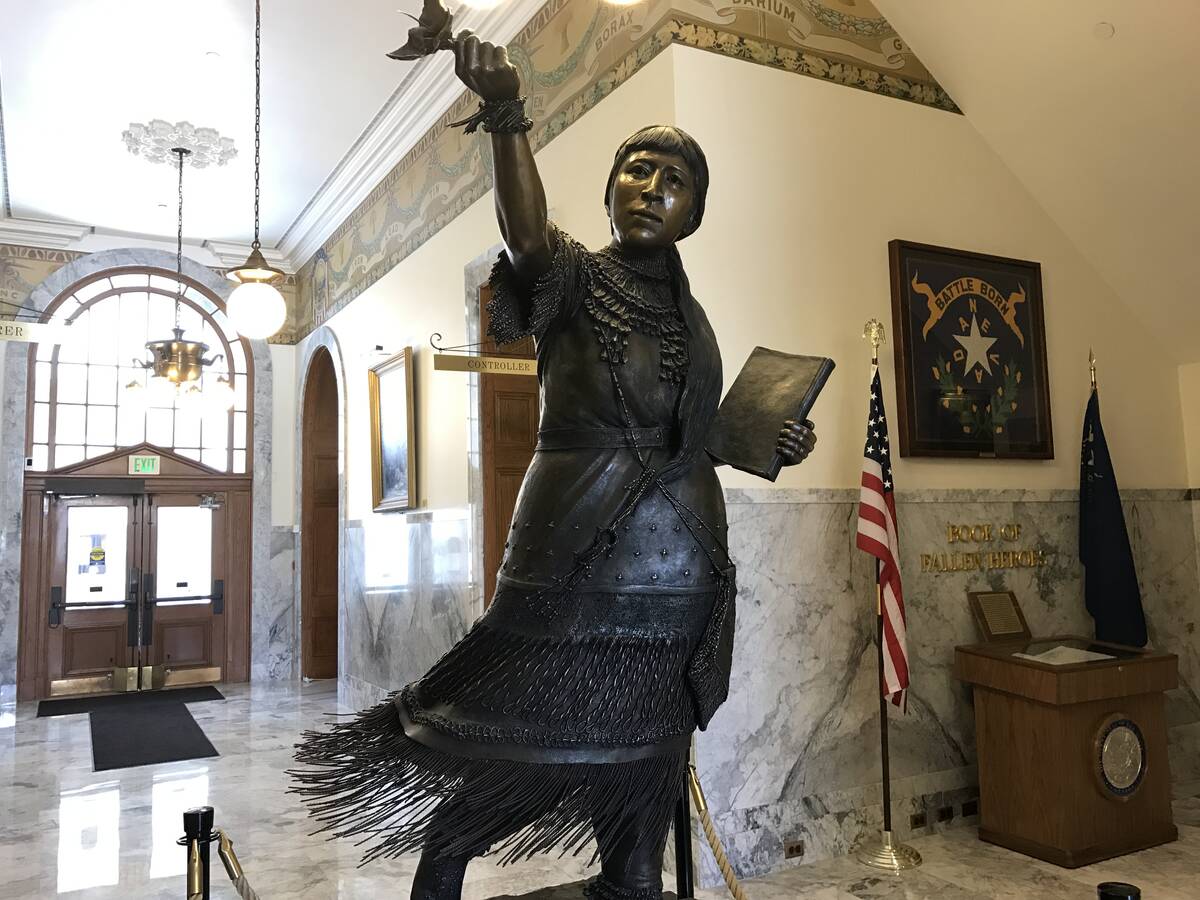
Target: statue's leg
(439,877)
(631,865)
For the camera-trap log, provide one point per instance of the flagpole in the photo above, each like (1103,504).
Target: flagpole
(885,853)
(883,716)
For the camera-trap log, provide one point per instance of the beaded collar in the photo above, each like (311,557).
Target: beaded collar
(634,293)
(649,265)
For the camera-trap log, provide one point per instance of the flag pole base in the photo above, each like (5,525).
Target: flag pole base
(888,854)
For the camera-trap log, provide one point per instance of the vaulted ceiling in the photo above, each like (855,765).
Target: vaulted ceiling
(1095,107)
(76,73)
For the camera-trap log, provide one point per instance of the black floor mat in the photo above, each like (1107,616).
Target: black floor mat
(70,706)
(573,891)
(144,734)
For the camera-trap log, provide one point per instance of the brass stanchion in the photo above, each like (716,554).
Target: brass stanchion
(198,833)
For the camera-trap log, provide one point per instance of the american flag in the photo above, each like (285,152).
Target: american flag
(877,536)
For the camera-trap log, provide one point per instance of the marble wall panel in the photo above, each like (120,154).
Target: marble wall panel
(406,598)
(794,754)
(273,649)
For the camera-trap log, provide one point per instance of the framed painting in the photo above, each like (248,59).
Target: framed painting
(970,344)
(393,444)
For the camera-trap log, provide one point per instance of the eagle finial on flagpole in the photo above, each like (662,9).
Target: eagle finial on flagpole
(873,332)
(1092,367)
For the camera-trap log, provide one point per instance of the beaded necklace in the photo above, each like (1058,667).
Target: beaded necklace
(627,293)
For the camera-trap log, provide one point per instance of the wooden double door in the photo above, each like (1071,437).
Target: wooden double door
(133,584)
(136,591)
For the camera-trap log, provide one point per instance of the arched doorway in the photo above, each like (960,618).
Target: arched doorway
(319,520)
(137,507)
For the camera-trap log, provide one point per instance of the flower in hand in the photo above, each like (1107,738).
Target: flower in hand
(431,33)
(796,441)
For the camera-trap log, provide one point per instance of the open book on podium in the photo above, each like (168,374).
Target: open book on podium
(771,388)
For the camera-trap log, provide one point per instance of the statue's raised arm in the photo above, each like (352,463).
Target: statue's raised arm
(520,197)
(486,70)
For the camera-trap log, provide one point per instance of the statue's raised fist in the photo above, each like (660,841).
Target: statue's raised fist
(485,68)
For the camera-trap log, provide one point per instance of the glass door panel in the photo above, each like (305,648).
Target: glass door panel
(97,555)
(183,562)
(184,639)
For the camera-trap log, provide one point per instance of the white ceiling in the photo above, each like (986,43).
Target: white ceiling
(1104,132)
(75,73)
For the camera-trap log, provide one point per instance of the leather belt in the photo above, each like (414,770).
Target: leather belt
(600,438)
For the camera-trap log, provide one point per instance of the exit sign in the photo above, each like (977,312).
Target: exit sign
(144,465)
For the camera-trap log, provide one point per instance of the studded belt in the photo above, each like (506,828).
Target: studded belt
(601,438)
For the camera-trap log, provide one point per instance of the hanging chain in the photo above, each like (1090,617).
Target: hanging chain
(257,112)
(180,152)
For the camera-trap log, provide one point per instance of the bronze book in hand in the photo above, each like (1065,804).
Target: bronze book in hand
(771,388)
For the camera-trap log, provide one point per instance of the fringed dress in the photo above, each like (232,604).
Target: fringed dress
(566,712)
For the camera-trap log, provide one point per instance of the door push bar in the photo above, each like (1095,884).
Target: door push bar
(217,597)
(58,606)
(132,602)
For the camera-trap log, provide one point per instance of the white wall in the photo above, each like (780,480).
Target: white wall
(810,180)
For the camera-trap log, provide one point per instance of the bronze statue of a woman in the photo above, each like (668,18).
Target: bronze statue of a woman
(566,712)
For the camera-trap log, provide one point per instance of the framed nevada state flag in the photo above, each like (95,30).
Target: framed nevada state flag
(970,343)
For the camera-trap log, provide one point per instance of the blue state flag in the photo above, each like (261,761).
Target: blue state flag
(1110,579)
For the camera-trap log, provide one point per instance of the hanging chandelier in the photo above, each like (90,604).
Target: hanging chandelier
(176,364)
(256,307)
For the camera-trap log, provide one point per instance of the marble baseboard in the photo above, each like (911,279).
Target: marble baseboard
(794,754)
(354,694)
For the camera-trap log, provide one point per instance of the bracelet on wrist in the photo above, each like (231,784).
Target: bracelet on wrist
(497,117)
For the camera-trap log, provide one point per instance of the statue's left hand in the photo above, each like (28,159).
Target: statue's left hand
(796,441)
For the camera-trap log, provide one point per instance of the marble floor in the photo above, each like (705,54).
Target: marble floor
(67,831)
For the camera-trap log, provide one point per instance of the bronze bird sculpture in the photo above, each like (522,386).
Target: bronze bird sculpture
(432,33)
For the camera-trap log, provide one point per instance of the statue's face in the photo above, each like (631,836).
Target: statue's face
(651,201)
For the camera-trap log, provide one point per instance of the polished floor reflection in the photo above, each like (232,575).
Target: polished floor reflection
(66,831)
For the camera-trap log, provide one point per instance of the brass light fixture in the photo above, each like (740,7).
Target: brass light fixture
(177,363)
(256,307)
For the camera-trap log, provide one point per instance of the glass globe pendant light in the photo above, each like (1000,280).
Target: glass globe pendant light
(256,307)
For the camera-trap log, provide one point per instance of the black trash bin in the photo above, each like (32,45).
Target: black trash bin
(1118,890)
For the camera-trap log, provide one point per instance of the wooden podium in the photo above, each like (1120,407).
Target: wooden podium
(1072,758)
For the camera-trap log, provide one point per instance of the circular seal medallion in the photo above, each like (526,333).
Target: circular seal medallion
(1120,756)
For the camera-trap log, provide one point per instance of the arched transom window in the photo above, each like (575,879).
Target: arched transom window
(81,407)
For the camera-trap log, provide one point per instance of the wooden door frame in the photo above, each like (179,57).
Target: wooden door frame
(321,355)
(107,475)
